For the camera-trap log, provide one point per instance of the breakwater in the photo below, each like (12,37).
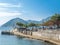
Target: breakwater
(7,33)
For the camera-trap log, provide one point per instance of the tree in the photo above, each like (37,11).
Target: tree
(26,26)
(20,24)
(32,25)
(56,20)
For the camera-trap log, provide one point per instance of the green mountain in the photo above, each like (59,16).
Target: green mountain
(12,22)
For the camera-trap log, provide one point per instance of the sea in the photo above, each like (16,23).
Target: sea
(15,40)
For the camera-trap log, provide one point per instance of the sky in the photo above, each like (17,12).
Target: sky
(27,9)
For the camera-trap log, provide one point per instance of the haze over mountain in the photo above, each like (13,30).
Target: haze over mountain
(12,22)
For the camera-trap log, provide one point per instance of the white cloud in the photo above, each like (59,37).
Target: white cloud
(10,5)
(6,16)
(9,11)
(2,8)
(2,14)
(5,9)
(3,20)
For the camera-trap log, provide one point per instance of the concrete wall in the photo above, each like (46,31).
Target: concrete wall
(47,34)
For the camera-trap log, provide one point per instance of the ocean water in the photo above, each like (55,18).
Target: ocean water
(14,40)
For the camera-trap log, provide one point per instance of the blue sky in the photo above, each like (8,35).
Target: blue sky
(27,9)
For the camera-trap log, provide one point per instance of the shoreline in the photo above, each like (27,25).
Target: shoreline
(34,37)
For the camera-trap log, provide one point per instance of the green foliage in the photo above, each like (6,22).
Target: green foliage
(55,17)
(20,24)
(54,20)
(26,25)
(32,24)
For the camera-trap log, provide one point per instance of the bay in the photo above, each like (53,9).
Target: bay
(14,40)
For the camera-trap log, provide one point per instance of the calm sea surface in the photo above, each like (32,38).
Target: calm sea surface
(14,40)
